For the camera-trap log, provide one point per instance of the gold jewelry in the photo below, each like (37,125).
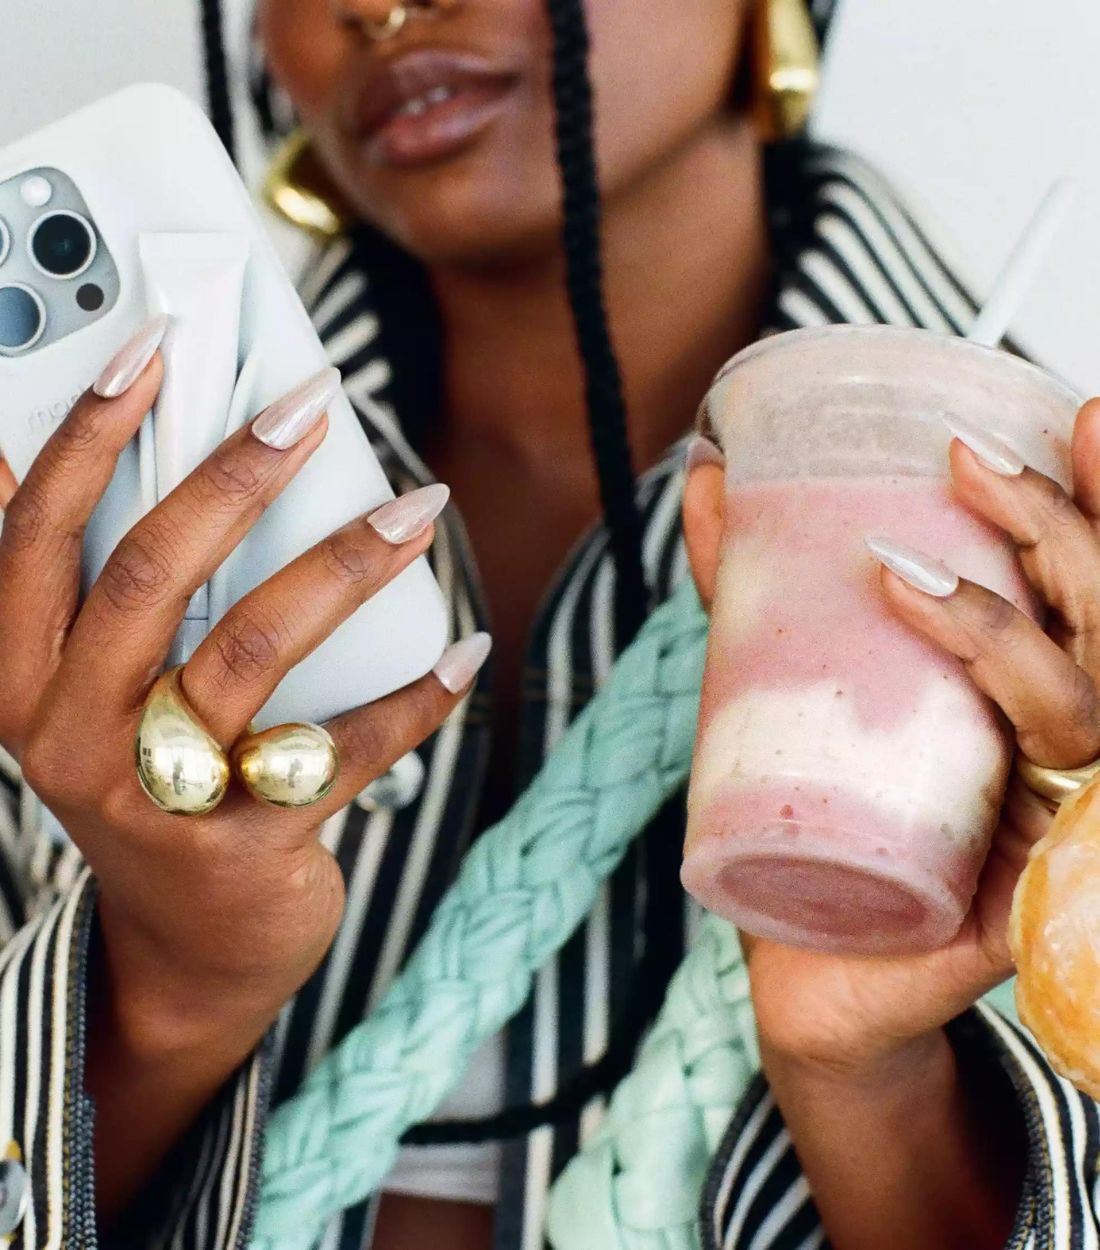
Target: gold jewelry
(180,766)
(1054,785)
(288,766)
(788,61)
(286,190)
(393,25)
(291,187)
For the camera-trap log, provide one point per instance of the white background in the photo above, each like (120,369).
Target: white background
(974,106)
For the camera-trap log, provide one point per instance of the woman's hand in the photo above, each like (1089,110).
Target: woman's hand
(849,1013)
(208,925)
(899,1147)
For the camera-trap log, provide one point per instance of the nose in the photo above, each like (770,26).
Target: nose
(364,10)
(379,11)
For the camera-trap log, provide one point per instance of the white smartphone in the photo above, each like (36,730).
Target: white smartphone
(130,208)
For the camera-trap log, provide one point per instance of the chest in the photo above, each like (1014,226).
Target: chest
(522,520)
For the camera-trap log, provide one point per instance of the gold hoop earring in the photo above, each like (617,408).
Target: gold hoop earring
(287,193)
(788,62)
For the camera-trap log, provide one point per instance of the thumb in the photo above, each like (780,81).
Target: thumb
(8,484)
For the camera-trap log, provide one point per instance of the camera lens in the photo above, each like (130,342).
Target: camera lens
(5,242)
(62,244)
(22,317)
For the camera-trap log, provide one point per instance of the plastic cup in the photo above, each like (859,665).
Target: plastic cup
(848,775)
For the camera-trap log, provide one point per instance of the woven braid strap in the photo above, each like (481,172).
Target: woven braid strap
(638,1181)
(523,889)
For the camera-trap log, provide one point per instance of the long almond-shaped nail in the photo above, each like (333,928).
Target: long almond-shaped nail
(462,662)
(989,449)
(131,361)
(701,450)
(403,519)
(291,418)
(920,571)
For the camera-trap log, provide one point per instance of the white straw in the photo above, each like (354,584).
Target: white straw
(1023,265)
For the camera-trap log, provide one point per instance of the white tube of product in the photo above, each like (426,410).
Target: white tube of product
(198,279)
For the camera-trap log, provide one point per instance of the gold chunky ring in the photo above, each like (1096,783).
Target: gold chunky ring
(288,766)
(180,766)
(1055,785)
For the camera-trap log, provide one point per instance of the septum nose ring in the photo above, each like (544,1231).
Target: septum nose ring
(394,24)
(397,18)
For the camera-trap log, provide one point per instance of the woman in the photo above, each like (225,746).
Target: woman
(433,130)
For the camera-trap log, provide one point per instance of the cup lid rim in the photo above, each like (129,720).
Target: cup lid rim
(791,338)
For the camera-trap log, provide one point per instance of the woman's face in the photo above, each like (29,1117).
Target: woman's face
(443,135)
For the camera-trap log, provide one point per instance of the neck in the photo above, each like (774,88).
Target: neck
(686,272)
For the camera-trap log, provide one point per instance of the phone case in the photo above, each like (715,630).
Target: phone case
(172,215)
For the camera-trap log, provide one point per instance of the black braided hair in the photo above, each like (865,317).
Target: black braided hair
(218,91)
(584,279)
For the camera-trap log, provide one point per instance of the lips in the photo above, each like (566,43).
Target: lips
(426,105)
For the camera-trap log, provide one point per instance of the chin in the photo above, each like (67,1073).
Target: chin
(493,236)
(483,208)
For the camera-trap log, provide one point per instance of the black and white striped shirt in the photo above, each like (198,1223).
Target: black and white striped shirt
(847,251)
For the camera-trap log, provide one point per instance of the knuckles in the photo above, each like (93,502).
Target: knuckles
(346,559)
(997,619)
(248,646)
(365,744)
(1056,504)
(1083,704)
(26,518)
(372,741)
(117,806)
(229,477)
(137,576)
(81,430)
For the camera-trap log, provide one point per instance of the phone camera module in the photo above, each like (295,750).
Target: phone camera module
(36,191)
(62,244)
(5,241)
(22,317)
(90,297)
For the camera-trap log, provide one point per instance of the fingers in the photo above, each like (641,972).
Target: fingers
(370,740)
(8,484)
(236,669)
(1086,460)
(1057,544)
(1050,700)
(134,609)
(45,517)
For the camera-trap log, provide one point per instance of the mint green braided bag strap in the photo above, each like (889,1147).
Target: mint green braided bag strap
(523,889)
(637,1183)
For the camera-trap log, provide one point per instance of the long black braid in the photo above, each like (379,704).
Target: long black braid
(218,91)
(584,279)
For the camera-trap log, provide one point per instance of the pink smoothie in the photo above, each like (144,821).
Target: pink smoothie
(848,775)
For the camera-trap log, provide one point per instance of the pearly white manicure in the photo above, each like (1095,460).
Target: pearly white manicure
(989,449)
(462,661)
(291,418)
(403,519)
(132,359)
(702,450)
(920,571)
